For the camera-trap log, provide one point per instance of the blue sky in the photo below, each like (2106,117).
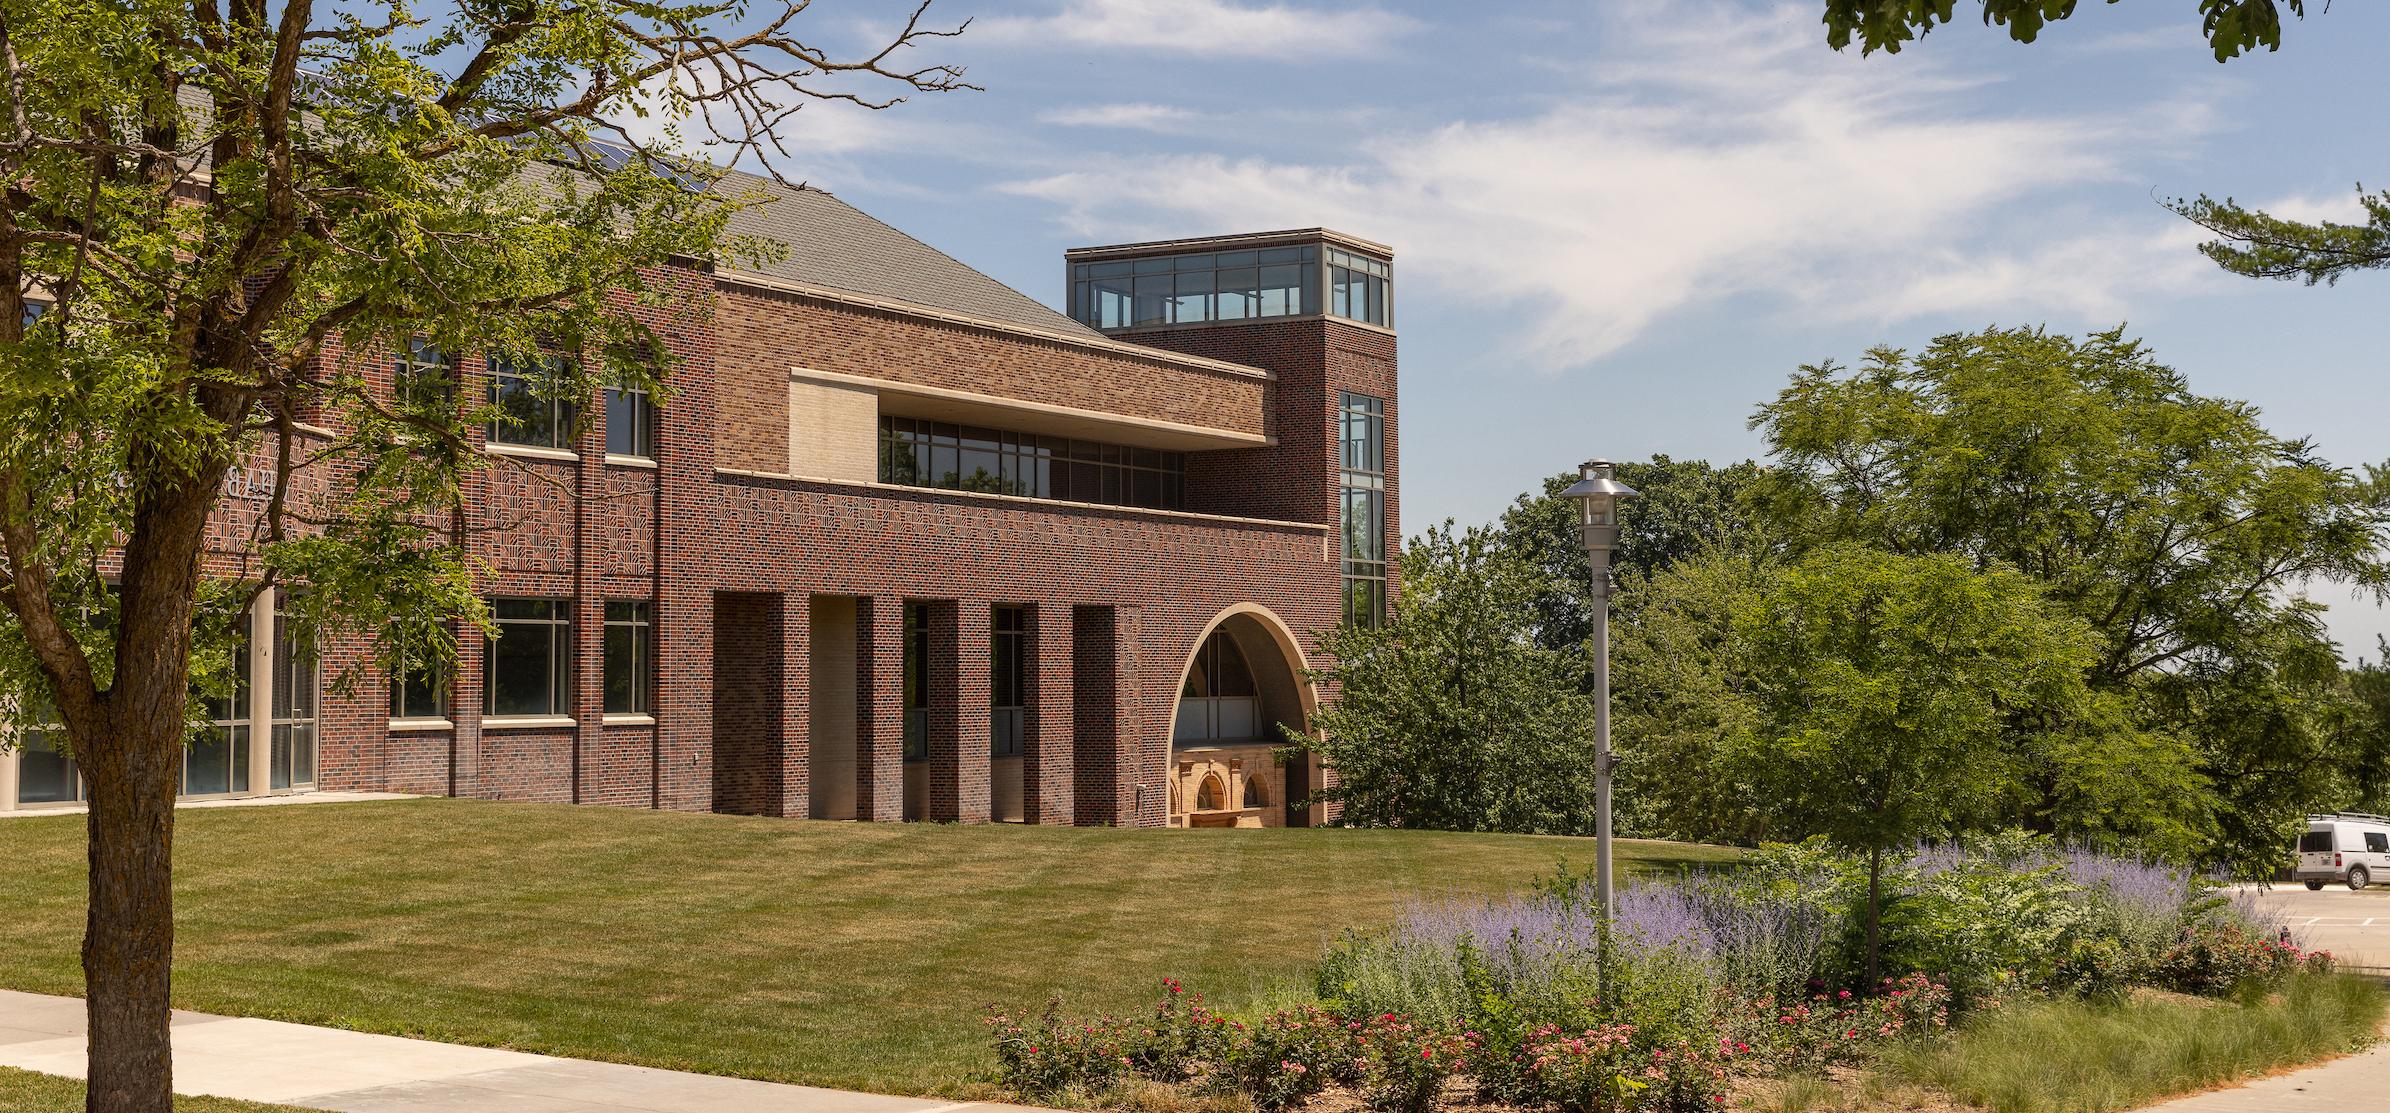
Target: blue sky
(1620,226)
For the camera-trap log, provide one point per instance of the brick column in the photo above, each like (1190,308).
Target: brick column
(683,755)
(796,705)
(466,697)
(879,708)
(1047,768)
(961,650)
(1144,779)
(1095,724)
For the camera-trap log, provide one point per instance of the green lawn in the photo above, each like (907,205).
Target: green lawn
(838,954)
(23,1091)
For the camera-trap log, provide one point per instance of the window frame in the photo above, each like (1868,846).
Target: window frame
(916,681)
(1190,288)
(563,414)
(643,424)
(635,620)
(1008,675)
(423,376)
(1361,505)
(558,625)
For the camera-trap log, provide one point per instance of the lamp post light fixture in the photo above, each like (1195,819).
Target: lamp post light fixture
(1597,495)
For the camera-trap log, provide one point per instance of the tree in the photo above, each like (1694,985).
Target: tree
(1681,693)
(1451,716)
(2232,27)
(2255,245)
(2174,524)
(2249,242)
(1884,686)
(215,215)
(1686,507)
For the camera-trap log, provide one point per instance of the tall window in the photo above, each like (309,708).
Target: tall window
(1361,481)
(529,413)
(1008,702)
(1360,288)
(630,423)
(630,657)
(219,758)
(918,453)
(292,761)
(916,682)
(1190,289)
(531,659)
(425,377)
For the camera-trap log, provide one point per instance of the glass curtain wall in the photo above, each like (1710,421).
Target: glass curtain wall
(1197,288)
(1361,480)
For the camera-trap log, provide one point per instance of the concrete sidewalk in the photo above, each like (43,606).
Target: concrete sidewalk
(2349,1085)
(327,1068)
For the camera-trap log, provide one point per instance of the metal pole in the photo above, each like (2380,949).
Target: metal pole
(1601,730)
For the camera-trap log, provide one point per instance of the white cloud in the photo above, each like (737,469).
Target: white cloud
(1222,28)
(1150,117)
(1712,154)
(2310,208)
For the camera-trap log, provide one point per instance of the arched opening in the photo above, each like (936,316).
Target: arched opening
(1243,688)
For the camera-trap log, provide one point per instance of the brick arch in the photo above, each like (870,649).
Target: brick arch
(1281,673)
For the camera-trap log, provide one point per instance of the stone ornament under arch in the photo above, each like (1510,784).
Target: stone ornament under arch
(1240,682)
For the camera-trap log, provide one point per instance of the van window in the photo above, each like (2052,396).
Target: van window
(2377,842)
(2319,842)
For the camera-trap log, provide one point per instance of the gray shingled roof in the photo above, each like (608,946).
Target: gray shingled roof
(834,244)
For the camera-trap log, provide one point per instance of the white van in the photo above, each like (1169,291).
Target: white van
(2350,847)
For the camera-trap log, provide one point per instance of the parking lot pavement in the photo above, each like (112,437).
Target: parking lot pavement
(2354,926)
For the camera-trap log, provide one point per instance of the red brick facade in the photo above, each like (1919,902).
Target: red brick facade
(732,553)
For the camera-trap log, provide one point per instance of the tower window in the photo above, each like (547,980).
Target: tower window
(1361,483)
(1197,288)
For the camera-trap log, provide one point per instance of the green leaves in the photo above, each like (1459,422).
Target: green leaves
(2232,27)
(2176,526)
(2258,245)
(1451,715)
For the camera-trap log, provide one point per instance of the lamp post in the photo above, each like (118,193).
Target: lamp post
(1597,495)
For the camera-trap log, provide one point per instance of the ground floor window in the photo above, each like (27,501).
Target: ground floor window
(530,660)
(420,692)
(294,705)
(630,657)
(916,682)
(1009,670)
(45,775)
(218,761)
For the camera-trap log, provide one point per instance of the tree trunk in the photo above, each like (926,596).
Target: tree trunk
(131,752)
(1875,918)
(128,936)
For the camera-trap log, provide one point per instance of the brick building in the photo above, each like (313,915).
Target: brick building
(902,543)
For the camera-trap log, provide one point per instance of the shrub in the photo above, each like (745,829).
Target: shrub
(1180,1038)
(1686,1077)
(1403,1065)
(1050,1053)
(1581,1072)
(1286,1057)
(1809,1037)
(2218,959)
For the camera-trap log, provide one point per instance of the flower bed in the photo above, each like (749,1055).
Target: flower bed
(1693,985)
